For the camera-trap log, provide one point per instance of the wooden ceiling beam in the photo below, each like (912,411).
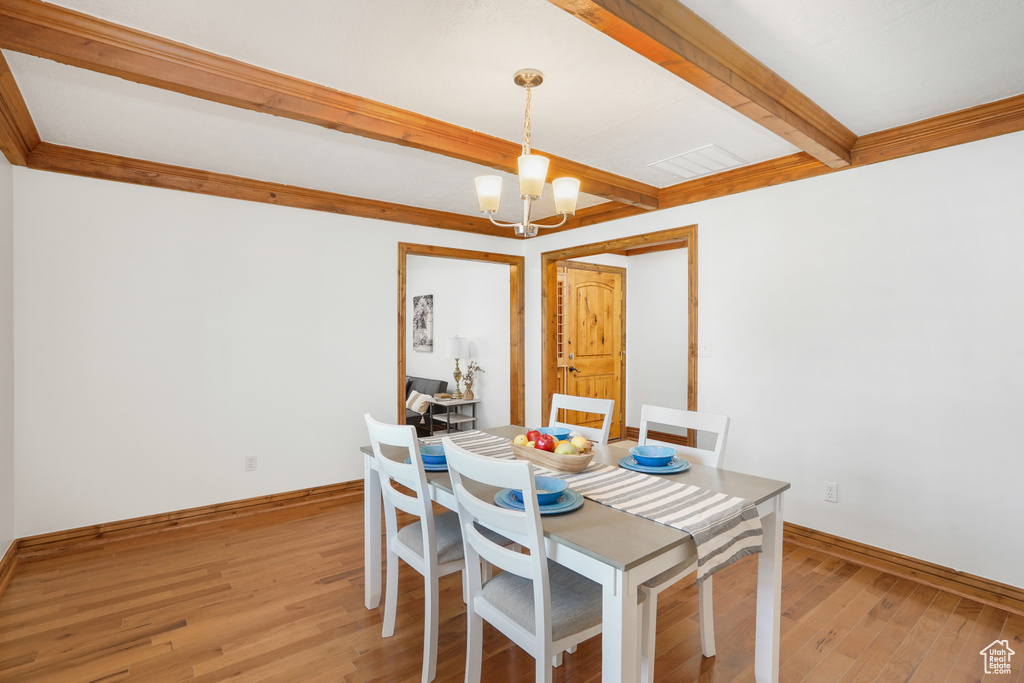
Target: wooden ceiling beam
(968,125)
(18,134)
(764,174)
(58,159)
(80,40)
(946,130)
(593,215)
(677,39)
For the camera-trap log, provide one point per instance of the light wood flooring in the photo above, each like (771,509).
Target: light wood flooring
(279,597)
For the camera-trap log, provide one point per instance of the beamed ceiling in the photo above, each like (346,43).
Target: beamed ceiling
(389,108)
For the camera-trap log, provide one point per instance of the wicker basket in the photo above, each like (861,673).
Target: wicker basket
(554,461)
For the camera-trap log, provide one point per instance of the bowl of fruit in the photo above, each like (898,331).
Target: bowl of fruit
(562,455)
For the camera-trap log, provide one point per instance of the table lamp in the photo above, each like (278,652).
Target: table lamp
(458,347)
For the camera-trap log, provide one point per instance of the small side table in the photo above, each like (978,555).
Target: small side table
(453,420)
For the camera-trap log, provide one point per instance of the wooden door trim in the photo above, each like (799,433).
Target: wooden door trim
(686,236)
(517,339)
(600,268)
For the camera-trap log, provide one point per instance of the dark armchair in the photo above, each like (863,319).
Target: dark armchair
(424,386)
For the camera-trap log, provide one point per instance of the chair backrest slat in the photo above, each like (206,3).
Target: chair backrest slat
(599,406)
(410,475)
(686,419)
(468,472)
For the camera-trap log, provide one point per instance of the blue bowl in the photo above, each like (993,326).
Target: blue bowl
(559,433)
(433,454)
(653,456)
(549,490)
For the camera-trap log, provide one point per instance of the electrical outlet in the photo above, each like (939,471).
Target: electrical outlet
(250,463)
(831,492)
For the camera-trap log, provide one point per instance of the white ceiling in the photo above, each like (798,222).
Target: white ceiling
(872,64)
(877,64)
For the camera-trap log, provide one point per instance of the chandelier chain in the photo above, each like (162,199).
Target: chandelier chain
(526,125)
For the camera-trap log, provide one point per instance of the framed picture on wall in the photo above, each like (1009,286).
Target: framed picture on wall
(423,323)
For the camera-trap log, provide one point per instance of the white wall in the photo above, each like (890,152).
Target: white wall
(865,326)
(657,291)
(866,329)
(7,534)
(471,301)
(162,336)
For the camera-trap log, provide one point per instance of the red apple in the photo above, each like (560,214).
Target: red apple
(532,435)
(545,442)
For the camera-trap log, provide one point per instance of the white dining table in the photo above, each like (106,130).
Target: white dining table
(620,551)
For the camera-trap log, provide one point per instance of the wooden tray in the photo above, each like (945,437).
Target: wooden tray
(554,461)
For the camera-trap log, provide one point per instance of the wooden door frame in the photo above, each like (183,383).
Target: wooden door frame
(517,341)
(616,270)
(631,245)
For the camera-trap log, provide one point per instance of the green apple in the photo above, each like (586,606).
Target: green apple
(566,448)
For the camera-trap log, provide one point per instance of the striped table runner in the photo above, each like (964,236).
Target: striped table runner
(725,528)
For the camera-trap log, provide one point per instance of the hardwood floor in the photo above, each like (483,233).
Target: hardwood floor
(279,597)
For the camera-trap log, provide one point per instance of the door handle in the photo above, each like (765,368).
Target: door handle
(572,369)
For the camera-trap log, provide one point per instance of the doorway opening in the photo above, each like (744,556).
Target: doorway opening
(517,399)
(679,300)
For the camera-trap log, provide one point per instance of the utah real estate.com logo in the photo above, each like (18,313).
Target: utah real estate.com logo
(997,657)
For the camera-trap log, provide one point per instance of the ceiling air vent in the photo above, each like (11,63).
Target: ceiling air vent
(698,162)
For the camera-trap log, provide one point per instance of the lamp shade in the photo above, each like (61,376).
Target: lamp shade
(488,192)
(566,191)
(533,171)
(458,347)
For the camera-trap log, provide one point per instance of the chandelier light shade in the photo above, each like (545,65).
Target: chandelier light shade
(488,192)
(533,172)
(567,191)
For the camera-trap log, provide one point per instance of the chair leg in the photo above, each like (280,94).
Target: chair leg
(474,646)
(430,619)
(556,661)
(390,596)
(707,618)
(544,671)
(648,632)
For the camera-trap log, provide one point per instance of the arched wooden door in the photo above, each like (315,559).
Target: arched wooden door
(593,343)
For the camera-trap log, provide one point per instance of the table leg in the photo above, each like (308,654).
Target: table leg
(619,639)
(769,598)
(371,533)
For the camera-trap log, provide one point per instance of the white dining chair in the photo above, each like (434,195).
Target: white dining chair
(599,406)
(541,606)
(703,422)
(432,545)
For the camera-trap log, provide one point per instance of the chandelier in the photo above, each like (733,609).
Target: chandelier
(533,171)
